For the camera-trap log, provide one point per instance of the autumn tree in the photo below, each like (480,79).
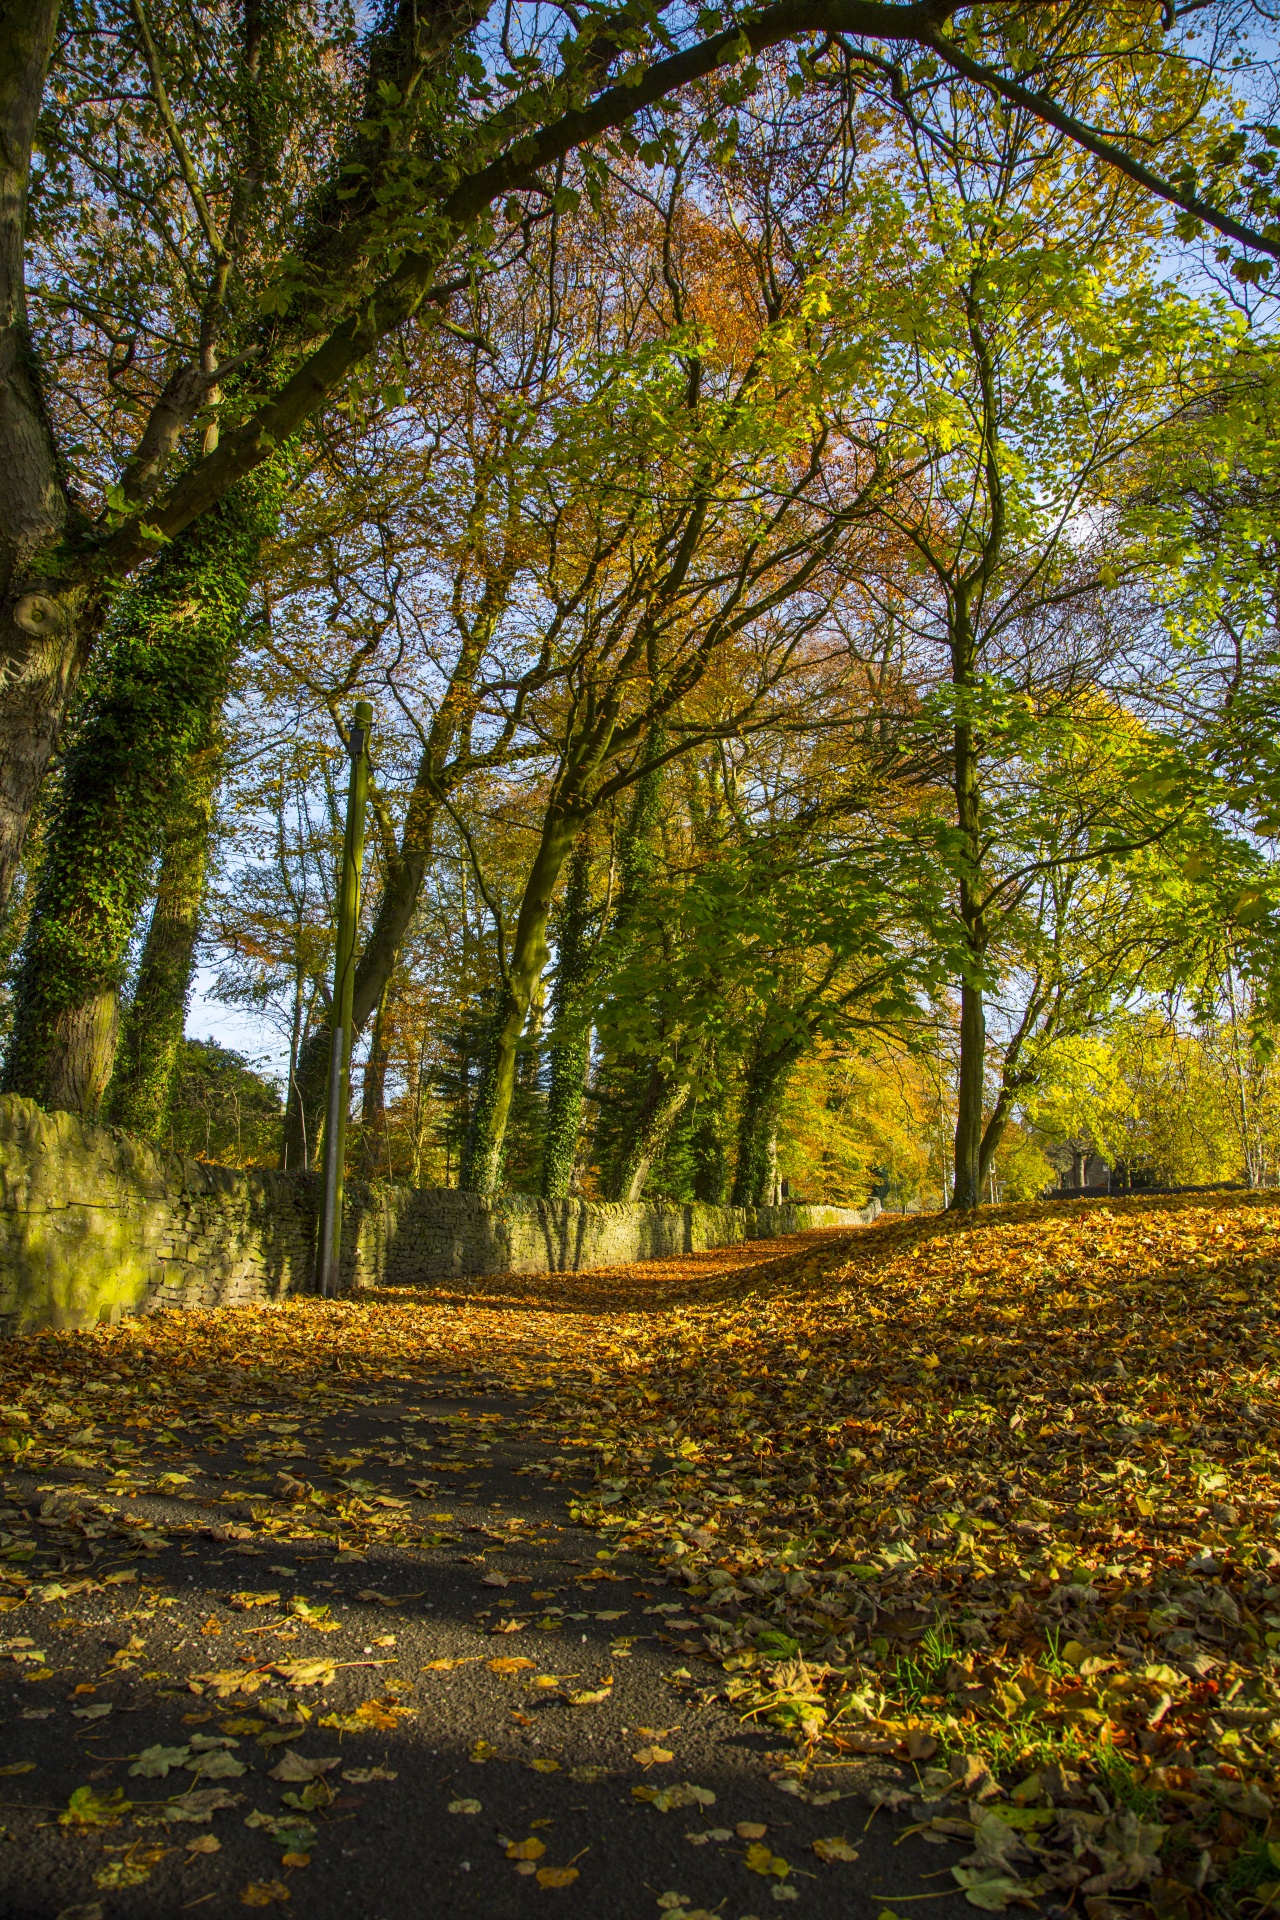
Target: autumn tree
(450,128)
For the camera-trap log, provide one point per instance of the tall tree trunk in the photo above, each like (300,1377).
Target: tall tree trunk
(482,1154)
(967,1187)
(666,1098)
(710,1147)
(159,693)
(304,1107)
(993,1133)
(757,1164)
(967,593)
(373,1095)
(967,1190)
(139,1093)
(42,635)
(570,1047)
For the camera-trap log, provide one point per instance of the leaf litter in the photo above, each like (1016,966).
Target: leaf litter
(997,1498)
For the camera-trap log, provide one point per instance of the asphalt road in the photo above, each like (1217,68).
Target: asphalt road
(445,1788)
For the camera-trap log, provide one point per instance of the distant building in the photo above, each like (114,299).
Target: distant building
(1087,1173)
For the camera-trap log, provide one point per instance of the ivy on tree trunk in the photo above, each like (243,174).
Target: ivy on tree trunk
(570,1046)
(155,1019)
(157,697)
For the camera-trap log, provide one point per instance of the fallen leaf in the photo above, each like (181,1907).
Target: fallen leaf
(89,1809)
(835,1849)
(307,1673)
(760,1859)
(154,1763)
(293,1766)
(117,1875)
(200,1804)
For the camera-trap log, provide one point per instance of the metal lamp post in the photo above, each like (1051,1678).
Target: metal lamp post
(329,1243)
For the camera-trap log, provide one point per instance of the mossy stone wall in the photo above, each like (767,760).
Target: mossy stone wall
(95,1224)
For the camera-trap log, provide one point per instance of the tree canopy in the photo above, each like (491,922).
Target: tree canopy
(798,486)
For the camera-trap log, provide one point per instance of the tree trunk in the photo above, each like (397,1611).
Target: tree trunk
(967,1187)
(993,1132)
(138,1097)
(159,693)
(710,1147)
(482,1154)
(665,1100)
(304,1108)
(967,1191)
(42,635)
(570,1048)
(757,1164)
(373,1097)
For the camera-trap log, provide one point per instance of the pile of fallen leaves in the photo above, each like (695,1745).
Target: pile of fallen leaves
(995,1495)
(1004,1490)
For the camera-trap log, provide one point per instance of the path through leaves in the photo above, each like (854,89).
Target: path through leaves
(643,1592)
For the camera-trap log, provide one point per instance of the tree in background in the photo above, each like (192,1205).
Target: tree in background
(221,1107)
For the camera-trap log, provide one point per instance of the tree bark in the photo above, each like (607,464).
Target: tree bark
(42,635)
(155,1021)
(159,695)
(482,1154)
(967,1191)
(304,1108)
(665,1100)
(757,1163)
(373,1095)
(570,1048)
(967,1188)
(711,1157)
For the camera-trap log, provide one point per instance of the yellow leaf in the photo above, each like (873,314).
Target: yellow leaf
(556,1876)
(509,1664)
(307,1673)
(531,1849)
(761,1860)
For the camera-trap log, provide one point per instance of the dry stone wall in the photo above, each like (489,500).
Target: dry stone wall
(95,1224)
